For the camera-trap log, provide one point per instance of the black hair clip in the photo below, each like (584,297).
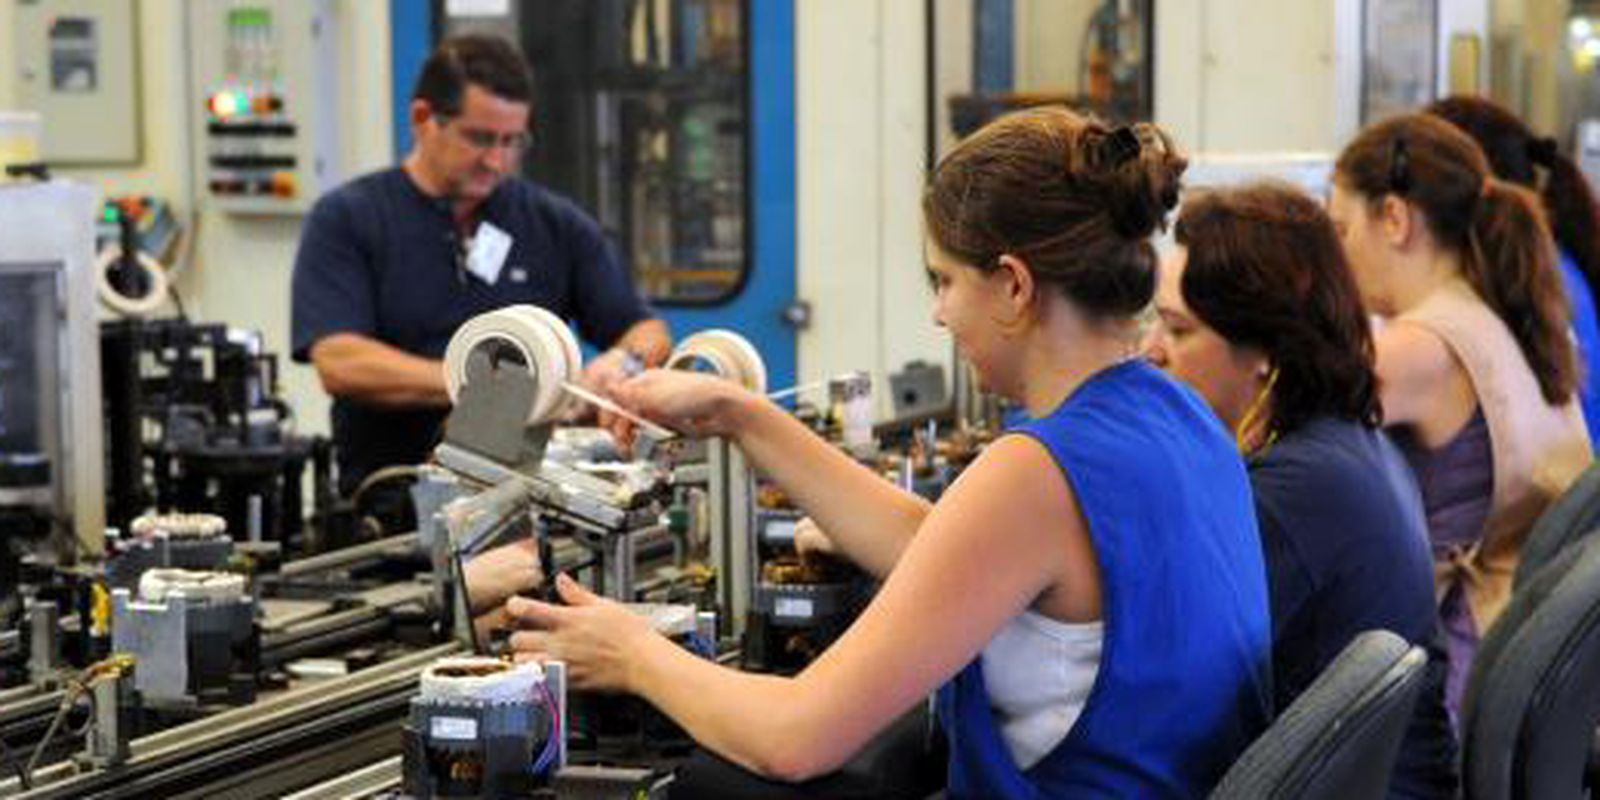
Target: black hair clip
(1543,150)
(1399,168)
(1122,145)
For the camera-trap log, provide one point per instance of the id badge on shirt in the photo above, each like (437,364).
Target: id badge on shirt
(487,254)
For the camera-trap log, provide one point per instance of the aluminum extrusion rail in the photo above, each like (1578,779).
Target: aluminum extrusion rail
(234,740)
(345,556)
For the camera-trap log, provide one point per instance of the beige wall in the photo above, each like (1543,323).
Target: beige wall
(860,132)
(1532,34)
(240,270)
(1048,42)
(1238,76)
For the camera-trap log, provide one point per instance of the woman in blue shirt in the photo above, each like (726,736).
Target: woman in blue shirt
(1088,598)
(1258,312)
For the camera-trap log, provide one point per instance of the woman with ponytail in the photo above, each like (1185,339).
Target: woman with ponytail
(1518,155)
(1476,367)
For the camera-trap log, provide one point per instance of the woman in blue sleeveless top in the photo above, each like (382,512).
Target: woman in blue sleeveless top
(1089,597)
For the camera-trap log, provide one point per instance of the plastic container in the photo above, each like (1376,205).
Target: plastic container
(19,139)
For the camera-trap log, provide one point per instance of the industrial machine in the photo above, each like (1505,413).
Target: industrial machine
(168,541)
(194,421)
(51,485)
(511,373)
(217,671)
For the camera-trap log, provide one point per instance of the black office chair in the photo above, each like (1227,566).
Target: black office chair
(1574,515)
(1340,737)
(1533,701)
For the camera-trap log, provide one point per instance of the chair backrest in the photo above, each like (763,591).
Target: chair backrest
(1339,739)
(1574,515)
(1525,600)
(1535,701)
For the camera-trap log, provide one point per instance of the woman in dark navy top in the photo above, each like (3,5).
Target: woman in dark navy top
(1088,598)
(1259,313)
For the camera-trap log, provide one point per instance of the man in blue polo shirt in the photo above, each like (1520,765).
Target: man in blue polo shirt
(390,264)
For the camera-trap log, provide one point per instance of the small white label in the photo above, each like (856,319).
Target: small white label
(792,607)
(455,728)
(477,8)
(780,530)
(487,253)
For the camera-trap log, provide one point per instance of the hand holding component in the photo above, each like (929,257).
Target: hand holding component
(602,375)
(696,404)
(596,638)
(499,573)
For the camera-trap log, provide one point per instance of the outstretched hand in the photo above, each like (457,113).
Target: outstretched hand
(497,574)
(691,403)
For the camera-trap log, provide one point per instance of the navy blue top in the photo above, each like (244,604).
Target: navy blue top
(378,257)
(1347,551)
(1586,328)
(1184,679)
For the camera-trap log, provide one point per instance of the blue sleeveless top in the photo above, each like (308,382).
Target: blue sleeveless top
(1586,329)
(1184,684)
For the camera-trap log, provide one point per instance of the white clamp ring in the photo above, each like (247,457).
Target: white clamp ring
(540,339)
(723,353)
(123,304)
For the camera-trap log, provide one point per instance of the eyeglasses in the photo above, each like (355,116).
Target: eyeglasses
(481,139)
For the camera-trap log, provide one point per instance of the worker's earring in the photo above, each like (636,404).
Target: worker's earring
(1252,415)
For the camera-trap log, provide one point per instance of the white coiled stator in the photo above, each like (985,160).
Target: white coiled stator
(209,586)
(479,679)
(178,526)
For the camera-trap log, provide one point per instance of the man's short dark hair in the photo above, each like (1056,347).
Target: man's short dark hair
(489,62)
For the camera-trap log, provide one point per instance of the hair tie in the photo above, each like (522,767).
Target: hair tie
(1542,150)
(1399,167)
(1122,145)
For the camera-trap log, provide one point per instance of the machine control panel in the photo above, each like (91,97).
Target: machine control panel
(263,93)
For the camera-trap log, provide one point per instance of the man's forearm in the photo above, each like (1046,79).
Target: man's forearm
(369,371)
(649,339)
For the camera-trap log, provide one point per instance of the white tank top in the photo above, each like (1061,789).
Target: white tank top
(1039,672)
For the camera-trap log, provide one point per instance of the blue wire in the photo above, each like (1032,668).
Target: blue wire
(551,745)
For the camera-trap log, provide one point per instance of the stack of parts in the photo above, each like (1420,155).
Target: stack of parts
(186,541)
